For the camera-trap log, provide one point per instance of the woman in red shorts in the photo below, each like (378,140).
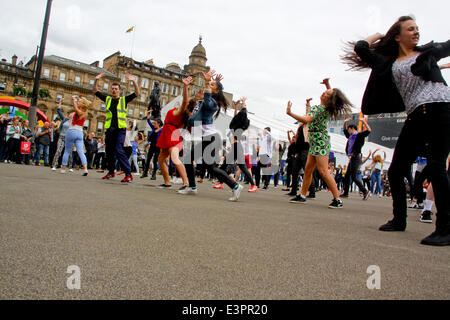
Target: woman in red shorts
(170,141)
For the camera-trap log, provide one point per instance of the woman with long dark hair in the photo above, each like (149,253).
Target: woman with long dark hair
(213,102)
(406,77)
(332,104)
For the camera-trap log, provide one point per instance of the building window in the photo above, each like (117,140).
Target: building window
(174,91)
(86,124)
(165,88)
(62,76)
(136,78)
(143,97)
(103,107)
(59,97)
(46,72)
(99,127)
(77,80)
(105,86)
(91,84)
(144,83)
(200,81)
(163,102)
(141,114)
(130,112)
(124,79)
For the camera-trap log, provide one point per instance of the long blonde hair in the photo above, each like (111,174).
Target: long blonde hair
(84,103)
(377,158)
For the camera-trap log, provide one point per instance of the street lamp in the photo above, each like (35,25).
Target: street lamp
(37,75)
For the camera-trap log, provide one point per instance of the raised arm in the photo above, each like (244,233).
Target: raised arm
(79,112)
(368,157)
(326,82)
(303,119)
(236,103)
(364,121)
(95,86)
(59,110)
(444,66)
(182,108)
(131,78)
(344,127)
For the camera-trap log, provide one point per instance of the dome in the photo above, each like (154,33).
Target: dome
(199,50)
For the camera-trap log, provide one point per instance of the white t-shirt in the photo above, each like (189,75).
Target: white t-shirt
(266,144)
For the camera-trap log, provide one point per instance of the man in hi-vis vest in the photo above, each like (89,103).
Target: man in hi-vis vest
(116,125)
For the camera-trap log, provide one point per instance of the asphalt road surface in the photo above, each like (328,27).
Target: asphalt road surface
(138,242)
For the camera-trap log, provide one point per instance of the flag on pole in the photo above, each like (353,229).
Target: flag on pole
(129,30)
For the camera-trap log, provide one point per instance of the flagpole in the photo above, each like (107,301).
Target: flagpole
(132,42)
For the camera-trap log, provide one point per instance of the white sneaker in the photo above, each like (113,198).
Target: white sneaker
(137,174)
(63,171)
(70,170)
(53,169)
(187,190)
(179,181)
(236,193)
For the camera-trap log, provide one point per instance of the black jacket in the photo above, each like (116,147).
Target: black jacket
(381,94)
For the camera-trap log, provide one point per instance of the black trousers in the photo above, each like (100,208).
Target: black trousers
(237,156)
(208,151)
(263,165)
(298,164)
(100,160)
(14,150)
(427,129)
(352,170)
(152,153)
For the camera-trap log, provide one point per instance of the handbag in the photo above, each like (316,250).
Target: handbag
(25,147)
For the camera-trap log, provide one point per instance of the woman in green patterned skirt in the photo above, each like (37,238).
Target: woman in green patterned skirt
(332,104)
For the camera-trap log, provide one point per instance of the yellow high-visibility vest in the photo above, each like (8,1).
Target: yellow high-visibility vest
(121,113)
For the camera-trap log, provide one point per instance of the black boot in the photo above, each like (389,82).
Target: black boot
(144,175)
(393,225)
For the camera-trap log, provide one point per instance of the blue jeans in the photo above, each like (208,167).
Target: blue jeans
(375,177)
(74,136)
(42,148)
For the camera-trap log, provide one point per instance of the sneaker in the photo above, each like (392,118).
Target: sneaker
(393,226)
(144,175)
(153,177)
(128,178)
(70,170)
(218,186)
(136,173)
(265,188)
(63,171)
(417,206)
(236,193)
(187,190)
(253,189)
(165,186)
(426,217)
(311,197)
(178,181)
(366,195)
(343,195)
(108,176)
(298,199)
(200,181)
(437,239)
(85,174)
(53,169)
(336,203)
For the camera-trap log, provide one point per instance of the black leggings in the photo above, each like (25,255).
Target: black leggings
(426,129)
(207,151)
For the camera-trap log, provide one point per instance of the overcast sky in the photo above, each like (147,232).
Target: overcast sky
(268,51)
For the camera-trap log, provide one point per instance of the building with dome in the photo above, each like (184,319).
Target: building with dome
(63,77)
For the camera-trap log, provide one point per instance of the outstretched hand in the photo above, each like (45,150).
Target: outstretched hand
(187,81)
(209,75)
(129,77)
(218,77)
(289,106)
(99,76)
(325,81)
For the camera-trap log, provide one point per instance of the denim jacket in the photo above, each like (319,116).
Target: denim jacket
(206,111)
